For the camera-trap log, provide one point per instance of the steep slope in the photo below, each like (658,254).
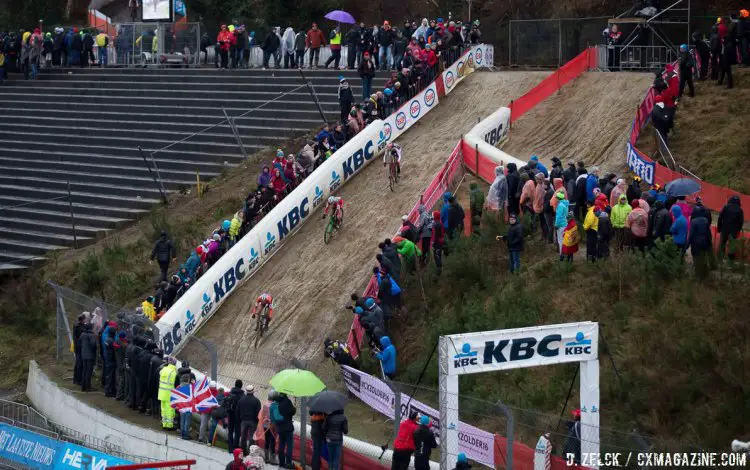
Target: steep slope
(588,120)
(311,281)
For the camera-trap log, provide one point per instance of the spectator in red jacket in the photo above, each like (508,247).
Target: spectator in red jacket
(314,41)
(403,446)
(278,183)
(225,40)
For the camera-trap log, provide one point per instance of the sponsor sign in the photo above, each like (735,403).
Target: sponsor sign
(494,128)
(477,56)
(523,347)
(477,444)
(37,451)
(640,164)
(411,112)
(194,308)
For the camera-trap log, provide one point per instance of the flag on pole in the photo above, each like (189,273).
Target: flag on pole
(194,398)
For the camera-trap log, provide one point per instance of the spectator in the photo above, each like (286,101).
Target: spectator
(578,200)
(78,330)
(285,428)
(271,46)
(163,251)
(514,239)
(334,428)
(110,364)
(620,188)
(339,352)
(335,41)
(573,440)
(248,409)
(352,41)
(102,42)
(387,357)
(548,209)
(230,405)
(728,54)
(386,39)
(637,222)
(703,52)
(660,118)
(455,218)
(527,198)
(729,225)
(236,463)
(620,213)
(476,204)
(561,219)
(604,234)
(88,345)
(314,41)
(592,182)
(686,65)
(278,183)
(255,459)
(462,463)
(514,188)
(224,39)
(497,196)
(699,240)
(437,240)
(317,434)
(366,72)
(403,445)
(346,97)
(590,227)
(571,238)
(288,48)
(538,203)
(167,379)
(424,442)
(300,44)
(424,230)
(613,47)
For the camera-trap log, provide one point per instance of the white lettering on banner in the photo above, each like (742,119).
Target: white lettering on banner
(203,299)
(410,112)
(639,166)
(494,128)
(478,56)
(477,444)
(511,349)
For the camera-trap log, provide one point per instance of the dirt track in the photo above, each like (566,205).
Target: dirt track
(588,120)
(311,281)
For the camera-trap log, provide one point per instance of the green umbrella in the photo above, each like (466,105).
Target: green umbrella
(297,382)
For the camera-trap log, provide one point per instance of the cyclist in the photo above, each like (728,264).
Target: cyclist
(338,204)
(263,300)
(395,150)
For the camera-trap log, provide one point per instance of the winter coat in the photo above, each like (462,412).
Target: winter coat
(88,345)
(387,357)
(299,42)
(272,43)
(264,179)
(571,238)
(335,426)
(438,231)
(345,94)
(513,180)
(679,227)
(731,217)
(248,408)
(558,186)
(592,181)
(391,253)
(539,197)
(614,196)
(366,68)
(424,224)
(637,222)
(287,410)
(455,217)
(634,191)
(163,249)
(604,229)
(561,213)
(662,221)
(699,238)
(444,209)
(620,212)
(527,194)
(591,221)
(315,39)
(498,193)
(424,442)
(234,228)
(580,189)
(287,41)
(514,239)
(405,437)
(408,249)
(192,264)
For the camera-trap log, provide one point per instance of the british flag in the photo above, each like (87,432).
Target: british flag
(195,398)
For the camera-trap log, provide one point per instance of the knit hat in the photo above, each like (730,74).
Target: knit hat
(461,458)
(634,203)
(560,195)
(424,420)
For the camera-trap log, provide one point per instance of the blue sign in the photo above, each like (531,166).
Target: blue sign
(179,7)
(37,451)
(640,165)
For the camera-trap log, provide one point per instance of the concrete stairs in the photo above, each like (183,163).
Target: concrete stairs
(84,126)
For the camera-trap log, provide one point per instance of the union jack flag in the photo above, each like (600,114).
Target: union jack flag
(195,398)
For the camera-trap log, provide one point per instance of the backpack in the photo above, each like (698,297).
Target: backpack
(276,417)
(230,404)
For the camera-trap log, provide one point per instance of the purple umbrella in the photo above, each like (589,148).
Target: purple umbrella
(340,16)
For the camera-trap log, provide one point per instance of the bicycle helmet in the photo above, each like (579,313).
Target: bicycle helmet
(390,145)
(369,303)
(331,199)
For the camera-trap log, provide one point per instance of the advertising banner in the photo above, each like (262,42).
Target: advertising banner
(481,55)
(477,444)
(410,112)
(37,451)
(523,347)
(494,128)
(640,164)
(239,263)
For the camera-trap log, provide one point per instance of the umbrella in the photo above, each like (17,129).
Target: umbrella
(297,382)
(682,187)
(327,402)
(340,16)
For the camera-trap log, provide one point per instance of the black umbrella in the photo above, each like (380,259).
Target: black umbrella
(682,187)
(327,402)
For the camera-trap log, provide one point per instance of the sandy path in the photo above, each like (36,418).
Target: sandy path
(311,281)
(588,120)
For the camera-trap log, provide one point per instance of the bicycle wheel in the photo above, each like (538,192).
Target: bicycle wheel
(329,232)
(259,326)
(391,183)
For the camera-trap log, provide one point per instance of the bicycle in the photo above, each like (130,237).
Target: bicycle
(392,170)
(333,225)
(261,324)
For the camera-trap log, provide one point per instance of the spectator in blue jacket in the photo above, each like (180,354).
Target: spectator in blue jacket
(679,229)
(592,181)
(699,240)
(387,357)
(444,209)
(192,264)
(540,166)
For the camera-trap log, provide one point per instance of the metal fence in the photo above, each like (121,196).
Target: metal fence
(550,42)
(632,57)
(162,44)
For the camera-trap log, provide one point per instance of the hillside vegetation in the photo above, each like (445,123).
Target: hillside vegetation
(678,344)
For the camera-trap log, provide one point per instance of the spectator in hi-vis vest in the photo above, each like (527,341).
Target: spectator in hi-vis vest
(167,378)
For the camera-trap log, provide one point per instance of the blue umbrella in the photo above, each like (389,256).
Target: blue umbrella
(682,187)
(340,16)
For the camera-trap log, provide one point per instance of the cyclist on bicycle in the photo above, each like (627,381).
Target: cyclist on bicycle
(338,204)
(395,151)
(262,301)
